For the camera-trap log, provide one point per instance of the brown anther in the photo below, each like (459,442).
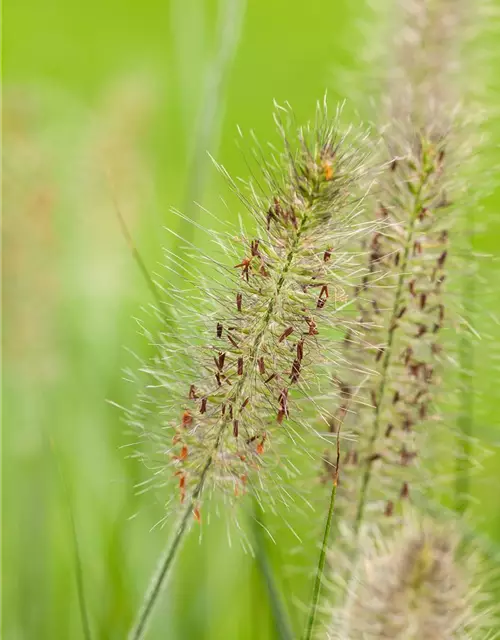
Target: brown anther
(396,397)
(230,411)
(260,446)
(382,212)
(411,288)
(187,419)
(245,265)
(283,411)
(219,362)
(271,377)
(404,494)
(380,353)
(313,331)
(423,300)
(389,509)
(294,376)
(394,164)
(406,456)
(327,255)
(203,406)
(401,312)
(219,330)
(285,334)
(245,402)
(345,391)
(261,365)
(323,295)
(397,256)
(423,214)
(443,237)
(422,411)
(235,428)
(254,247)
(407,424)
(442,258)
(217,377)
(182,487)
(196,514)
(240,366)
(422,330)
(300,350)
(374,399)
(223,410)
(192,392)
(441,313)
(239,298)
(184,453)
(389,429)
(414,369)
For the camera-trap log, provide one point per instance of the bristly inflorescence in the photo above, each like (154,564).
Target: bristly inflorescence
(417,584)
(401,314)
(402,302)
(398,343)
(223,397)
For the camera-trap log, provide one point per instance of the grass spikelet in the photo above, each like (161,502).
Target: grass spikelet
(417,584)
(400,345)
(403,303)
(226,387)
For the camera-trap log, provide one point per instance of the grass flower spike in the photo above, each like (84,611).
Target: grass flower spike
(403,303)
(414,586)
(226,388)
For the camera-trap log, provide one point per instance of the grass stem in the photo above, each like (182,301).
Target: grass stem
(324,546)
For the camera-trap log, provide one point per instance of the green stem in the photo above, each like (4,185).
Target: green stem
(387,361)
(279,615)
(322,556)
(167,560)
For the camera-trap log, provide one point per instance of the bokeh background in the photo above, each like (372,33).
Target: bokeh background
(112,105)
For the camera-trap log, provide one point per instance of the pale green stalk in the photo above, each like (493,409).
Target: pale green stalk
(324,547)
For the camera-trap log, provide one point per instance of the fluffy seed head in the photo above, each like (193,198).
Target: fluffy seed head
(229,384)
(414,585)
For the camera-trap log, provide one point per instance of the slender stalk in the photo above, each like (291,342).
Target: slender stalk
(166,562)
(206,134)
(134,251)
(324,546)
(279,615)
(384,379)
(77,558)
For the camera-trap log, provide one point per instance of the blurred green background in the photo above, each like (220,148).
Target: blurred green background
(107,104)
